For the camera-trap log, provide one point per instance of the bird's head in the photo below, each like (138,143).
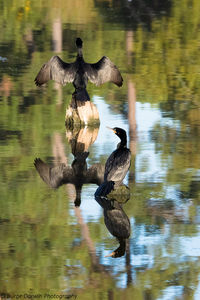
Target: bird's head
(79,42)
(119,132)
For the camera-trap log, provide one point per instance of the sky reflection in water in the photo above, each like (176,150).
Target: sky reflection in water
(164,180)
(147,116)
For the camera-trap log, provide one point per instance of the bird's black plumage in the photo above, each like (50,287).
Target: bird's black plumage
(79,72)
(118,162)
(117,223)
(117,165)
(76,174)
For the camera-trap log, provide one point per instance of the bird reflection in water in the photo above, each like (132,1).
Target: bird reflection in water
(116,221)
(78,173)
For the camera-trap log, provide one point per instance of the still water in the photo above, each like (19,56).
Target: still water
(51,249)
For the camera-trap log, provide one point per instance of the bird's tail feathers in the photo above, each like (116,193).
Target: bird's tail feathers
(104,189)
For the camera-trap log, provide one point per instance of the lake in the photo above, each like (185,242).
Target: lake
(53,241)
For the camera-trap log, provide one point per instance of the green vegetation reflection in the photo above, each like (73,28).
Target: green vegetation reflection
(42,248)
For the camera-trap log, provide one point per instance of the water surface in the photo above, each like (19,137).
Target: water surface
(47,245)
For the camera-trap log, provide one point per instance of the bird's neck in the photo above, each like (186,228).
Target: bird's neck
(123,143)
(80,53)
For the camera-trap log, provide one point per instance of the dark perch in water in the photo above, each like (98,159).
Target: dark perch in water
(117,165)
(79,72)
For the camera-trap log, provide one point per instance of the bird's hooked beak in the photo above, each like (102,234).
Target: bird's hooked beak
(111,129)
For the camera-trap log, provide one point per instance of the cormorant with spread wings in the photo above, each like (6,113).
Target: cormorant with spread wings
(79,72)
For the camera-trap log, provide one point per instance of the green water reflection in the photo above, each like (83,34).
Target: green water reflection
(46,244)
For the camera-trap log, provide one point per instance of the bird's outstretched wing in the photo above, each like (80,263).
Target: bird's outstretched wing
(57,70)
(103,71)
(95,174)
(53,176)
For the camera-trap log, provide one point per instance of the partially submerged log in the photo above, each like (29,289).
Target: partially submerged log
(81,113)
(81,138)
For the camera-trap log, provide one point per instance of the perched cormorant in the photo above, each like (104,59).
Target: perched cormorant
(79,72)
(117,165)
